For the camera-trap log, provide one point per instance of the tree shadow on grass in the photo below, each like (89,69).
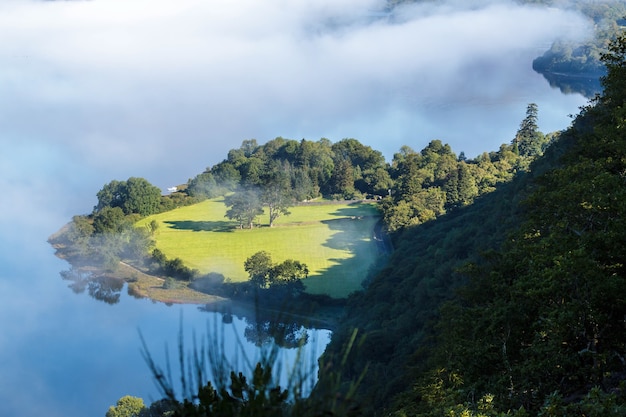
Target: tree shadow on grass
(356,235)
(350,232)
(356,210)
(199,226)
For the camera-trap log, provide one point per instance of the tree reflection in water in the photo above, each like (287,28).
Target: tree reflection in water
(98,286)
(266,327)
(586,85)
(261,329)
(285,334)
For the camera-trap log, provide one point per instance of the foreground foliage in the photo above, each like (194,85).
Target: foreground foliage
(255,392)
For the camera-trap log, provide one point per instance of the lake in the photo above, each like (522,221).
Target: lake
(82,107)
(66,354)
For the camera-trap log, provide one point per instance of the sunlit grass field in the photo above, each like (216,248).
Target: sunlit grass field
(335,241)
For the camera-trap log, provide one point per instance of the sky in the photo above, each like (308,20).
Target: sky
(163,89)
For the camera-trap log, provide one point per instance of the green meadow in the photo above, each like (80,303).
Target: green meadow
(335,241)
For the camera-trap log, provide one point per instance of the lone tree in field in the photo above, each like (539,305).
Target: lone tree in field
(244,207)
(276,193)
(285,279)
(258,267)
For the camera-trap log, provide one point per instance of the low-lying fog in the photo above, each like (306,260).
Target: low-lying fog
(107,89)
(162,88)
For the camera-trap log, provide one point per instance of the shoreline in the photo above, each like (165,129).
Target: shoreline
(141,284)
(150,286)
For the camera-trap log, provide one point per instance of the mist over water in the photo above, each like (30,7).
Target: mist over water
(164,88)
(107,89)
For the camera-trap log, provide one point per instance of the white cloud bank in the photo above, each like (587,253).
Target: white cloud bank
(144,84)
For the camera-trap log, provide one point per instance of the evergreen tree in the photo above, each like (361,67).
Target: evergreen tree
(467,189)
(529,141)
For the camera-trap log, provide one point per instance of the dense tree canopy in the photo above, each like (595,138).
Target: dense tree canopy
(134,196)
(296,171)
(415,188)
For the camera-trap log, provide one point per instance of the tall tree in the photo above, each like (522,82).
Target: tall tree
(226,175)
(203,186)
(248,147)
(258,267)
(244,206)
(276,192)
(376,181)
(358,154)
(110,220)
(467,189)
(343,178)
(529,140)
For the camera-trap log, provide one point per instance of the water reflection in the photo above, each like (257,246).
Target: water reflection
(263,327)
(288,335)
(267,327)
(586,85)
(101,287)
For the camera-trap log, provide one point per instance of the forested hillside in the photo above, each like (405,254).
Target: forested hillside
(514,305)
(607,18)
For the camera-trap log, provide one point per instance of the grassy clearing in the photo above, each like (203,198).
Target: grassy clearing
(334,240)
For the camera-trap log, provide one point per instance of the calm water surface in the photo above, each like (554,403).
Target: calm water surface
(64,354)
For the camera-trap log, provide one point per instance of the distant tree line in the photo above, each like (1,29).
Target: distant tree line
(436,181)
(283,172)
(608,19)
(414,188)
